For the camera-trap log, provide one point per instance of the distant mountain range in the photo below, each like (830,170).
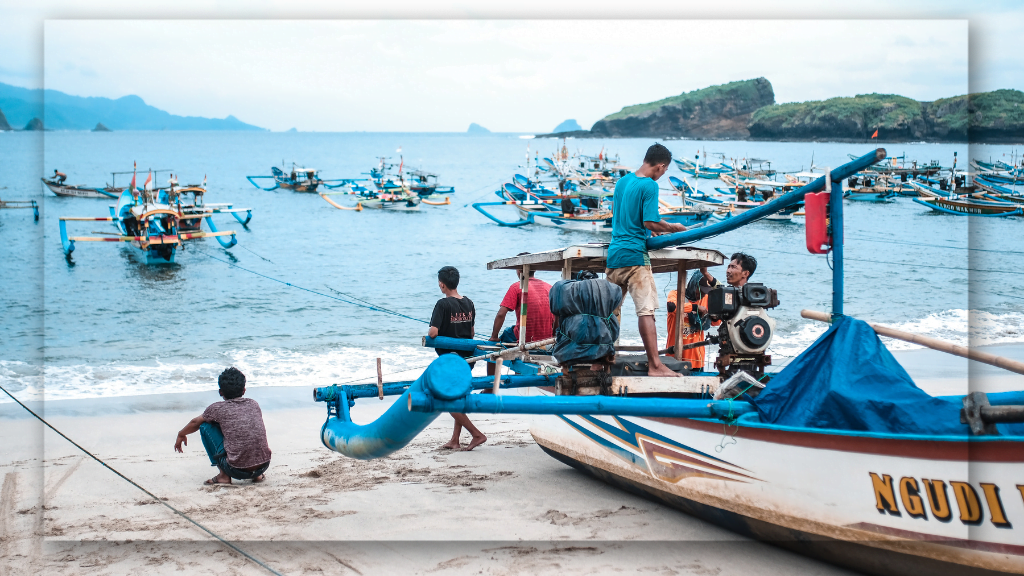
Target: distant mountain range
(60,111)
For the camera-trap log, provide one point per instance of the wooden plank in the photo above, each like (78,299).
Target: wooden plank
(648,384)
(680,299)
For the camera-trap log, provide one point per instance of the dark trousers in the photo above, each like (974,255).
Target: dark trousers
(213,441)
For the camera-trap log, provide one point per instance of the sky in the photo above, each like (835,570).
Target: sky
(340,67)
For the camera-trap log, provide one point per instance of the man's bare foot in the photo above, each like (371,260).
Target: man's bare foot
(452,445)
(476,441)
(662,371)
(259,479)
(221,478)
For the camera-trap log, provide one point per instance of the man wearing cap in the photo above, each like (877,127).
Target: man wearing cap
(232,432)
(635,216)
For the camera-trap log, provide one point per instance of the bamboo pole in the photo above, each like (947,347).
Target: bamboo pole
(933,343)
(497,374)
(514,350)
(680,299)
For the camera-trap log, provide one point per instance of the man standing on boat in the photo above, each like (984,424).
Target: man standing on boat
(454,316)
(60,177)
(635,217)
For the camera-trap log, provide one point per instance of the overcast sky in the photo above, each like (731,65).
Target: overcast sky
(440,75)
(416,75)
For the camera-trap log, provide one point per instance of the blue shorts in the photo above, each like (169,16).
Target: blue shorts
(508,335)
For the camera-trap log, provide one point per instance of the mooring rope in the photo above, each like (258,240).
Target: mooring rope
(148,493)
(361,303)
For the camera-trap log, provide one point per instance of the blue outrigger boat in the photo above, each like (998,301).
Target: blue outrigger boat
(157,222)
(839,455)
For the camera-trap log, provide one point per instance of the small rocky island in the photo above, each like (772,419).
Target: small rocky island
(475,128)
(100,128)
(34,124)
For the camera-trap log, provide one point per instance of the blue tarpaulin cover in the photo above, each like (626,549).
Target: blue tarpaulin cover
(848,380)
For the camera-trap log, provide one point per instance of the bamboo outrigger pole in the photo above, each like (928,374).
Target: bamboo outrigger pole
(933,343)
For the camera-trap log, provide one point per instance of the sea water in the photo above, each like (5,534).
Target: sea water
(104,323)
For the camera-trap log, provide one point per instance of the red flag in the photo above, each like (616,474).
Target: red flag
(149,182)
(875,135)
(132,187)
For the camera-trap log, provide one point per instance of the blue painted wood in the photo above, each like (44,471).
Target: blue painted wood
(785,201)
(607,405)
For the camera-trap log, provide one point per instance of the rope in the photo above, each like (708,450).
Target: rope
(148,493)
(360,304)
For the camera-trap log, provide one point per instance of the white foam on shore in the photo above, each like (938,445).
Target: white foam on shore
(957,326)
(349,364)
(262,367)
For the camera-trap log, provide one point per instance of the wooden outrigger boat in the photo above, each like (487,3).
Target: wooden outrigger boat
(971,207)
(299,179)
(838,456)
(582,209)
(111,190)
(20,204)
(156,222)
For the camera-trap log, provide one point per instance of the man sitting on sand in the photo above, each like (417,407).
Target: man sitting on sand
(454,316)
(232,432)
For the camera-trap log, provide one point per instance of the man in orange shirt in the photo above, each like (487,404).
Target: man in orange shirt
(696,300)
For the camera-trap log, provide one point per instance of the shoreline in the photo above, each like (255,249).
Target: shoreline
(936,372)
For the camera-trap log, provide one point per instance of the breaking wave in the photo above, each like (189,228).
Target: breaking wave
(348,364)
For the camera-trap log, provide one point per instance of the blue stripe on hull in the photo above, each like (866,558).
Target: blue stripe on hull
(859,557)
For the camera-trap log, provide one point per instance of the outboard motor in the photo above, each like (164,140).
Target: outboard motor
(746,329)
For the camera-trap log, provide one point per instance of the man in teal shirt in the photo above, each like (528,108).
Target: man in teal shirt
(635,217)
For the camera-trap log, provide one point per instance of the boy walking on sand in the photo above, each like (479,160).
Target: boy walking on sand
(454,316)
(232,432)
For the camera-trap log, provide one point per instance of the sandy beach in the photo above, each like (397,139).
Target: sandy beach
(504,508)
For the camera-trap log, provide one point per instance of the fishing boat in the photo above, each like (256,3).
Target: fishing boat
(20,204)
(970,207)
(424,184)
(148,221)
(299,179)
(839,455)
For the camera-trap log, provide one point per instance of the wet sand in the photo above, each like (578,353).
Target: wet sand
(504,508)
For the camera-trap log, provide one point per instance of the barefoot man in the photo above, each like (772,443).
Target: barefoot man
(232,432)
(634,217)
(454,316)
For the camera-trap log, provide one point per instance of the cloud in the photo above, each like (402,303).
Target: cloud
(440,75)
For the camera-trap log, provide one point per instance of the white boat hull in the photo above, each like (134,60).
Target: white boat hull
(80,191)
(844,498)
(581,225)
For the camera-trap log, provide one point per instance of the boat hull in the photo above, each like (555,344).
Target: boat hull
(814,493)
(81,191)
(602,224)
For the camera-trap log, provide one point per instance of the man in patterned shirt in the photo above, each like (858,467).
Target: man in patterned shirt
(232,432)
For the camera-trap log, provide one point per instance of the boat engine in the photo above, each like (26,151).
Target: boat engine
(746,329)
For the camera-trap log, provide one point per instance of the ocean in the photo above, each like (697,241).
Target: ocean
(105,324)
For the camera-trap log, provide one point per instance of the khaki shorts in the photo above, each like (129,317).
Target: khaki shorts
(639,282)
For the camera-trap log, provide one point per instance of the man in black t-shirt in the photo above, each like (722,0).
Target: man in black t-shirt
(454,316)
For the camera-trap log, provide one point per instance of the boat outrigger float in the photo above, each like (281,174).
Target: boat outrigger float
(839,455)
